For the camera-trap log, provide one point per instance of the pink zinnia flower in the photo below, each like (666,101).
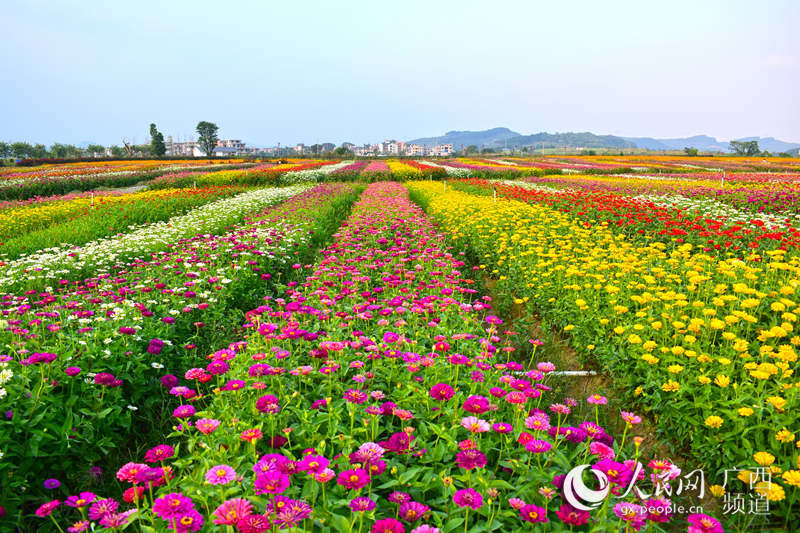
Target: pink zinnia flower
(101,508)
(173,505)
(206,425)
(702,523)
(220,475)
(362,504)
(468,498)
(251,435)
(272,482)
(162,452)
(81,500)
(45,509)
(470,459)
(412,511)
(129,471)
(475,424)
(533,514)
(230,512)
(442,392)
(516,503)
(598,448)
(597,399)
(353,479)
(254,523)
(571,516)
(388,525)
(630,418)
(183,411)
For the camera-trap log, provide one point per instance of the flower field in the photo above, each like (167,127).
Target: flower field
(313,345)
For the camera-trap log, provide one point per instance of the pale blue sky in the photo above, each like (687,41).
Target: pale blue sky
(316,71)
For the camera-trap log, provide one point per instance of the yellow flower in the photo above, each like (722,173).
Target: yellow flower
(675,369)
(713,421)
(634,339)
(764,458)
(670,386)
(745,476)
(792,477)
(771,490)
(722,380)
(745,411)
(704,380)
(637,391)
(569,327)
(717,490)
(619,330)
(777,402)
(784,435)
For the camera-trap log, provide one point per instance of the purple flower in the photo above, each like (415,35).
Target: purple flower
(72,370)
(162,452)
(51,483)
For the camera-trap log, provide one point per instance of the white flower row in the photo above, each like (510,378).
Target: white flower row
(312,175)
(52,264)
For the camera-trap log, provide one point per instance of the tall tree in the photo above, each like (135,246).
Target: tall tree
(21,150)
(96,149)
(749,148)
(208,136)
(157,146)
(117,151)
(5,149)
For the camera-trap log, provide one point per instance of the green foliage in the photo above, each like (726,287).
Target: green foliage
(472,149)
(157,146)
(746,148)
(208,136)
(691,151)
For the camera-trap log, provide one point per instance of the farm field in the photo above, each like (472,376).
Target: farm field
(391,345)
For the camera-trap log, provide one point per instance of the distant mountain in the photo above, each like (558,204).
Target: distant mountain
(701,142)
(491,137)
(771,144)
(570,140)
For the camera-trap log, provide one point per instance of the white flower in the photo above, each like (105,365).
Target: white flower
(133,408)
(157,366)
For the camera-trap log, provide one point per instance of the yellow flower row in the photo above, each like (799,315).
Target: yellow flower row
(702,340)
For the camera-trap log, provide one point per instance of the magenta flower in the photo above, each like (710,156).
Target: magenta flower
(399,497)
(597,399)
(101,508)
(81,500)
(272,482)
(533,514)
(468,498)
(183,411)
(51,483)
(254,523)
(162,452)
(72,370)
(442,392)
(362,504)
(702,523)
(631,512)
(313,464)
(388,525)
(172,505)
(45,509)
(538,446)
(231,511)
(476,405)
(353,479)
(571,516)
(412,511)
(470,459)
(220,475)
(268,404)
